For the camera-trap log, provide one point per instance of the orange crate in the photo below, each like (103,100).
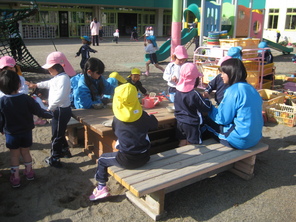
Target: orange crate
(266,84)
(268,68)
(282,114)
(209,73)
(251,65)
(271,97)
(245,43)
(253,78)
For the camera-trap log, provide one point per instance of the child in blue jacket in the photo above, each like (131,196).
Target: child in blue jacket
(89,88)
(237,122)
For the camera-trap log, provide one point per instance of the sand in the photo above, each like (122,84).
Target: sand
(62,194)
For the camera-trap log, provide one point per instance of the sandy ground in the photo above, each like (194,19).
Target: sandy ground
(62,194)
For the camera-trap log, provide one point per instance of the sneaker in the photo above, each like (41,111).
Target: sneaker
(40,122)
(99,194)
(66,153)
(53,162)
(145,73)
(29,175)
(15,182)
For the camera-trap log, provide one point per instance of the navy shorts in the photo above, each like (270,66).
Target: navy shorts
(191,133)
(21,140)
(153,58)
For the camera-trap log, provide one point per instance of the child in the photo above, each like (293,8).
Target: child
(189,106)
(217,83)
(134,78)
(59,103)
(268,57)
(89,88)
(16,122)
(237,122)
(172,71)
(151,32)
(151,49)
(146,34)
(131,125)
(8,63)
(116,36)
(134,35)
(84,51)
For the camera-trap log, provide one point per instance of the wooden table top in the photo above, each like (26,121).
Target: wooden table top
(95,118)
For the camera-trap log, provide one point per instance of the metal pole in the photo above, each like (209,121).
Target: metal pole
(235,18)
(202,20)
(251,16)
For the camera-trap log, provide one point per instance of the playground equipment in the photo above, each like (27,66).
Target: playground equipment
(165,49)
(278,47)
(11,42)
(186,35)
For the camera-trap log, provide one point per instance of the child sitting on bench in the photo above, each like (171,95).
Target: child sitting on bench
(130,125)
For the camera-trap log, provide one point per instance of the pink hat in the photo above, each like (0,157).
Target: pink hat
(181,52)
(59,58)
(188,75)
(223,59)
(7,61)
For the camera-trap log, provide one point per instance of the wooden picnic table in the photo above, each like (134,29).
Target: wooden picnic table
(99,138)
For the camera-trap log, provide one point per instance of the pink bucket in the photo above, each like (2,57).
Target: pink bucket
(150,102)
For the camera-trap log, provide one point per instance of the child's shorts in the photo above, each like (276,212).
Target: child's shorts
(21,140)
(191,133)
(153,58)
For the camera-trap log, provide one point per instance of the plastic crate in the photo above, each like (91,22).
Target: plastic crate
(268,68)
(255,66)
(282,114)
(243,42)
(253,78)
(266,84)
(251,65)
(209,73)
(271,97)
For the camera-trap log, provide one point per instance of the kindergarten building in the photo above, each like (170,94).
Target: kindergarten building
(281,16)
(63,18)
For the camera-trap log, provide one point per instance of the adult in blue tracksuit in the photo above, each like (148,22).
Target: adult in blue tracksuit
(237,122)
(89,88)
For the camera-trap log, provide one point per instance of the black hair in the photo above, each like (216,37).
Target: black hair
(235,70)
(58,67)
(94,65)
(9,82)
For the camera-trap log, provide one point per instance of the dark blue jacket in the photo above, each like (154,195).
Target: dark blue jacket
(16,113)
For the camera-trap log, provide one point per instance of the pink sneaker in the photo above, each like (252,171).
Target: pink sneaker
(29,175)
(99,194)
(145,73)
(40,122)
(15,182)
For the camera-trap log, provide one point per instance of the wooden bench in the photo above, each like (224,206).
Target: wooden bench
(180,167)
(74,133)
(99,138)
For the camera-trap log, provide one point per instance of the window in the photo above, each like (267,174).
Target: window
(291,19)
(273,18)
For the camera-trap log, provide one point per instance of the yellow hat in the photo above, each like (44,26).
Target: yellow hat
(136,71)
(117,76)
(126,106)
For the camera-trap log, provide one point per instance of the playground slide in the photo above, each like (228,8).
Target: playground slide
(165,49)
(278,47)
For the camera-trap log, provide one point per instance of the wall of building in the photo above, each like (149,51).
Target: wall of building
(282,5)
